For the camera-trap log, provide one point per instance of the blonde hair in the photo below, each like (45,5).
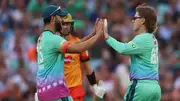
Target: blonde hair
(155,27)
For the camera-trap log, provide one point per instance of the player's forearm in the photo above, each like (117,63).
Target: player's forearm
(116,45)
(98,90)
(87,68)
(90,74)
(82,46)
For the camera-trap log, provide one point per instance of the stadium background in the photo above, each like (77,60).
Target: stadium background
(21,24)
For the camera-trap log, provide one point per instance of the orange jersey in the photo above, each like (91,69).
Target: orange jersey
(72,66)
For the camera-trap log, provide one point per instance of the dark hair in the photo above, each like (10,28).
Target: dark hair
(150,16)
(47,20)
(72,31)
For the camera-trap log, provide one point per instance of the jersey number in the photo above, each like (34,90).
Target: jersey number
(40,55)
(154,55)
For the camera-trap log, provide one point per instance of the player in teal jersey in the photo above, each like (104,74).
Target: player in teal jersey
(143,49)
(51,85)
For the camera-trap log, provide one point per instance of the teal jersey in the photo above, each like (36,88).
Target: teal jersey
(143,50)
(50,76)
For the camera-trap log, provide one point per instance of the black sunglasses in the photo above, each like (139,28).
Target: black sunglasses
(134,18)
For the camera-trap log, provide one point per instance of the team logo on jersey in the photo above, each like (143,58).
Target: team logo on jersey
(133,45)
(67,59)
(154,40)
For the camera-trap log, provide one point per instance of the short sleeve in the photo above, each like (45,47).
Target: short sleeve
(59,44)
(84,56)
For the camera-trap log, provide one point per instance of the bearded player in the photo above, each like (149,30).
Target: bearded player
(51,85)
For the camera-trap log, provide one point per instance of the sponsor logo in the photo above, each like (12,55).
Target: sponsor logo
(67,59)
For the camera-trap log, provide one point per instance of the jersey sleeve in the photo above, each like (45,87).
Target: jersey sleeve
(84,56)
(136,46)
(59,43)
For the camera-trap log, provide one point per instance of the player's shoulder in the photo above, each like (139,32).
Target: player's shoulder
(51,37)
(144,37)
(50,33)
(47,32)
(45,36)
(56,36)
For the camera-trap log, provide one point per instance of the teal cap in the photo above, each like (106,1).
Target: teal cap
(53,10)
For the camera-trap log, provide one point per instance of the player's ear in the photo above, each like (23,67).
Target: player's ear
(52,19)
(143,21)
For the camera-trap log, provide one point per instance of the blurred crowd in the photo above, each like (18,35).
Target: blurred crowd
(21,24)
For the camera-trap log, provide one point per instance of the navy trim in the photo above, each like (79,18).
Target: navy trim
(92,78)
(85,60)
(65,99)
(48,30)
(131,93)
(143,79)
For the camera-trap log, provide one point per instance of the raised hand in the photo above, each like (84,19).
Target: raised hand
(106,36)
(94,32)
(100,27)
(95,26)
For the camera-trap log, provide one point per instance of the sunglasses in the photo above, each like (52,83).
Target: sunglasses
(59,8)
(134,18)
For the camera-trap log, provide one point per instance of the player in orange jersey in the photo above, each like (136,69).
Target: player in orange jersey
(72,65)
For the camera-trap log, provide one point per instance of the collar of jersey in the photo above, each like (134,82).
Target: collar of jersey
(48,30)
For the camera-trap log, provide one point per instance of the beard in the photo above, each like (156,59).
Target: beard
(57,26)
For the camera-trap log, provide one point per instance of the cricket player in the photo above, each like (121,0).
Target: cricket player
(143,49)
(51,84)
(72,63)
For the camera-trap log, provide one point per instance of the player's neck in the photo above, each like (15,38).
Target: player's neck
(68,37)
(142,30)
(49,27)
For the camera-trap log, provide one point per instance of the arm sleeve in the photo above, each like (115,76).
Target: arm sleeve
(136,46)
(84,56)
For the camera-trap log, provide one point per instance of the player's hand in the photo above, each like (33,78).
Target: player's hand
(106,36)
(98,90)
(95,26)
(36,97)
(100,27)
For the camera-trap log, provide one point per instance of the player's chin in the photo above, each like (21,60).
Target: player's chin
(65,33)
(134,28)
